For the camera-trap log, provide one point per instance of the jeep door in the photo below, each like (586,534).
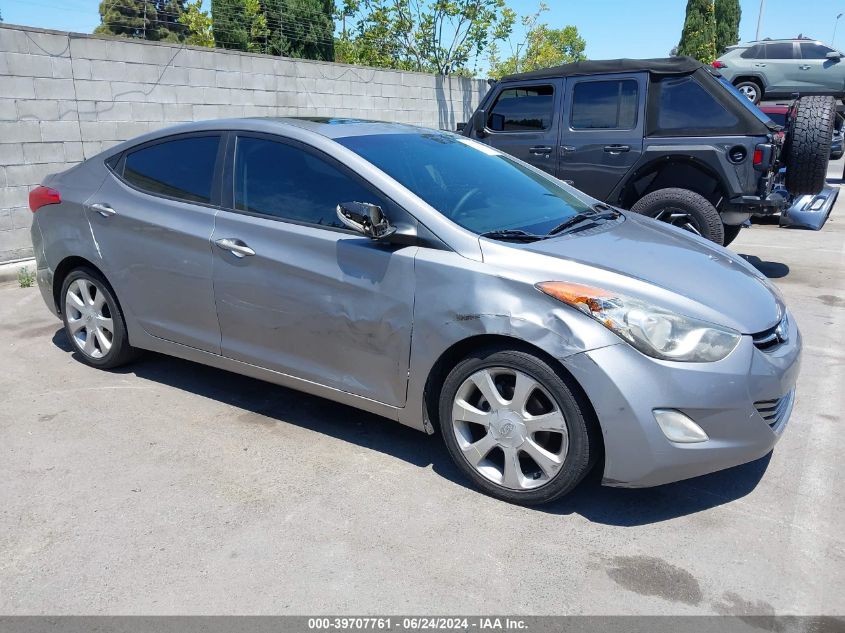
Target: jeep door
(602,130)
(521,121)
(819,73)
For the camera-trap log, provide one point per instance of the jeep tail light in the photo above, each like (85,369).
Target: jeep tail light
(42,196)
(718,64)
(758,156)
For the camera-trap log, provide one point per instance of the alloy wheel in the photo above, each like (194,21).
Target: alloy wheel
(89,318)
(509,429)
(749,91)
(679,218)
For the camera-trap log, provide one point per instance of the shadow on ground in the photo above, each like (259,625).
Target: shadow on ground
(772,270)
(272,404)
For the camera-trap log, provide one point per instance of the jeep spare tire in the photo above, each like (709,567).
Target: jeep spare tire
(685,209)
(809,132)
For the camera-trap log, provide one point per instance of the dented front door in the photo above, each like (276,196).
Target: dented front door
(320,304)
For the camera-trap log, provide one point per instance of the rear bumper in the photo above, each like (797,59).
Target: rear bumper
(43,272)
(810,212)
(626,386)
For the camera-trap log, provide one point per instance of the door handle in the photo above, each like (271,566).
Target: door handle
(103,209)
(617,149)
(540,149)
(805,67)
(567,148)
(234,246)
(760,65)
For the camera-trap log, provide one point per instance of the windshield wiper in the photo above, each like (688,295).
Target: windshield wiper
(515,235)
(597,212)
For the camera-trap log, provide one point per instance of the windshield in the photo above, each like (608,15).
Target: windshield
(471,184)
(746,102)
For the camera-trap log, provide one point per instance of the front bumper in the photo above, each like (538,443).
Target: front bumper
(626,386)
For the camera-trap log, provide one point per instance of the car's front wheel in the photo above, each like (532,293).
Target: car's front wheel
(685,209)
(93,321)
(515,427)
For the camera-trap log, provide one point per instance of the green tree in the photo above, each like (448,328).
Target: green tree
(542,47)
(155,20)
(698,38)
(198,25)
(229,24)
(440,36)
(728,15)
(301,28)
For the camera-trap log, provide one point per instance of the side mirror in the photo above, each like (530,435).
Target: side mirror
(368,219)
(460,127)
(834,55)
(479,122)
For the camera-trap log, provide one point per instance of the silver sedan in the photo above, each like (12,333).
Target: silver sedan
(429,279)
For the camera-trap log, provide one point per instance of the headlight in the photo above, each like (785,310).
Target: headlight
(654,331)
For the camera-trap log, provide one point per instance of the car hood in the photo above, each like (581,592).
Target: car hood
(651,260)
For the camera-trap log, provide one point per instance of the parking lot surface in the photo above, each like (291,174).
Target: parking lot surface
(169,487)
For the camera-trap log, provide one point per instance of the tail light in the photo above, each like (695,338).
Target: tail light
(763,156)
(42,196)
(718,64)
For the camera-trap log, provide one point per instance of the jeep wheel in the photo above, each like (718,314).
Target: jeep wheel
(685,209)
(750,89)
(731,232)
(808,137)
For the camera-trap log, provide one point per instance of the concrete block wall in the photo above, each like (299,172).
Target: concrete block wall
(64,97)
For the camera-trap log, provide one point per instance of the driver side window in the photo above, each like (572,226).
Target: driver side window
(284,181)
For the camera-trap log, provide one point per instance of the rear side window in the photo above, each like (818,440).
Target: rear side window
(780,50)
(604,105)
(683,105)
(284,181)
(523,109)
(811,50)
(182,168)
(757,51)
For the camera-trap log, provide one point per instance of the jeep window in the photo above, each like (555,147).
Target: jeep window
(684,105)
(811,50)
(522,109)
(780,50)
(604,105)
(757,51)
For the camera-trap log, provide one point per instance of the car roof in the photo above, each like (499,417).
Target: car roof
(770,40)
(657,66)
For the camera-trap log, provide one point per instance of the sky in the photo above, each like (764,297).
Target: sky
(612,28)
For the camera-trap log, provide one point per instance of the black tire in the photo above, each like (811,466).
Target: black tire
(685,209)
(119,352)
(746,86)
(583,437)
(808,137)
(731,232)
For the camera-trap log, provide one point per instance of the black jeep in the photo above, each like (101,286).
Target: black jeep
(668,138)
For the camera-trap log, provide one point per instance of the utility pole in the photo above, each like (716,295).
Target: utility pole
(835,24)
(760,18)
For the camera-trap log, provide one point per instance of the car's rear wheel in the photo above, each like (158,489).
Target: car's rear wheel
(685,209)
(515,427)
(93,321)
(750,89)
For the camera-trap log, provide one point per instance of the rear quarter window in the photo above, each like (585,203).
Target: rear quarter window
(685,107)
